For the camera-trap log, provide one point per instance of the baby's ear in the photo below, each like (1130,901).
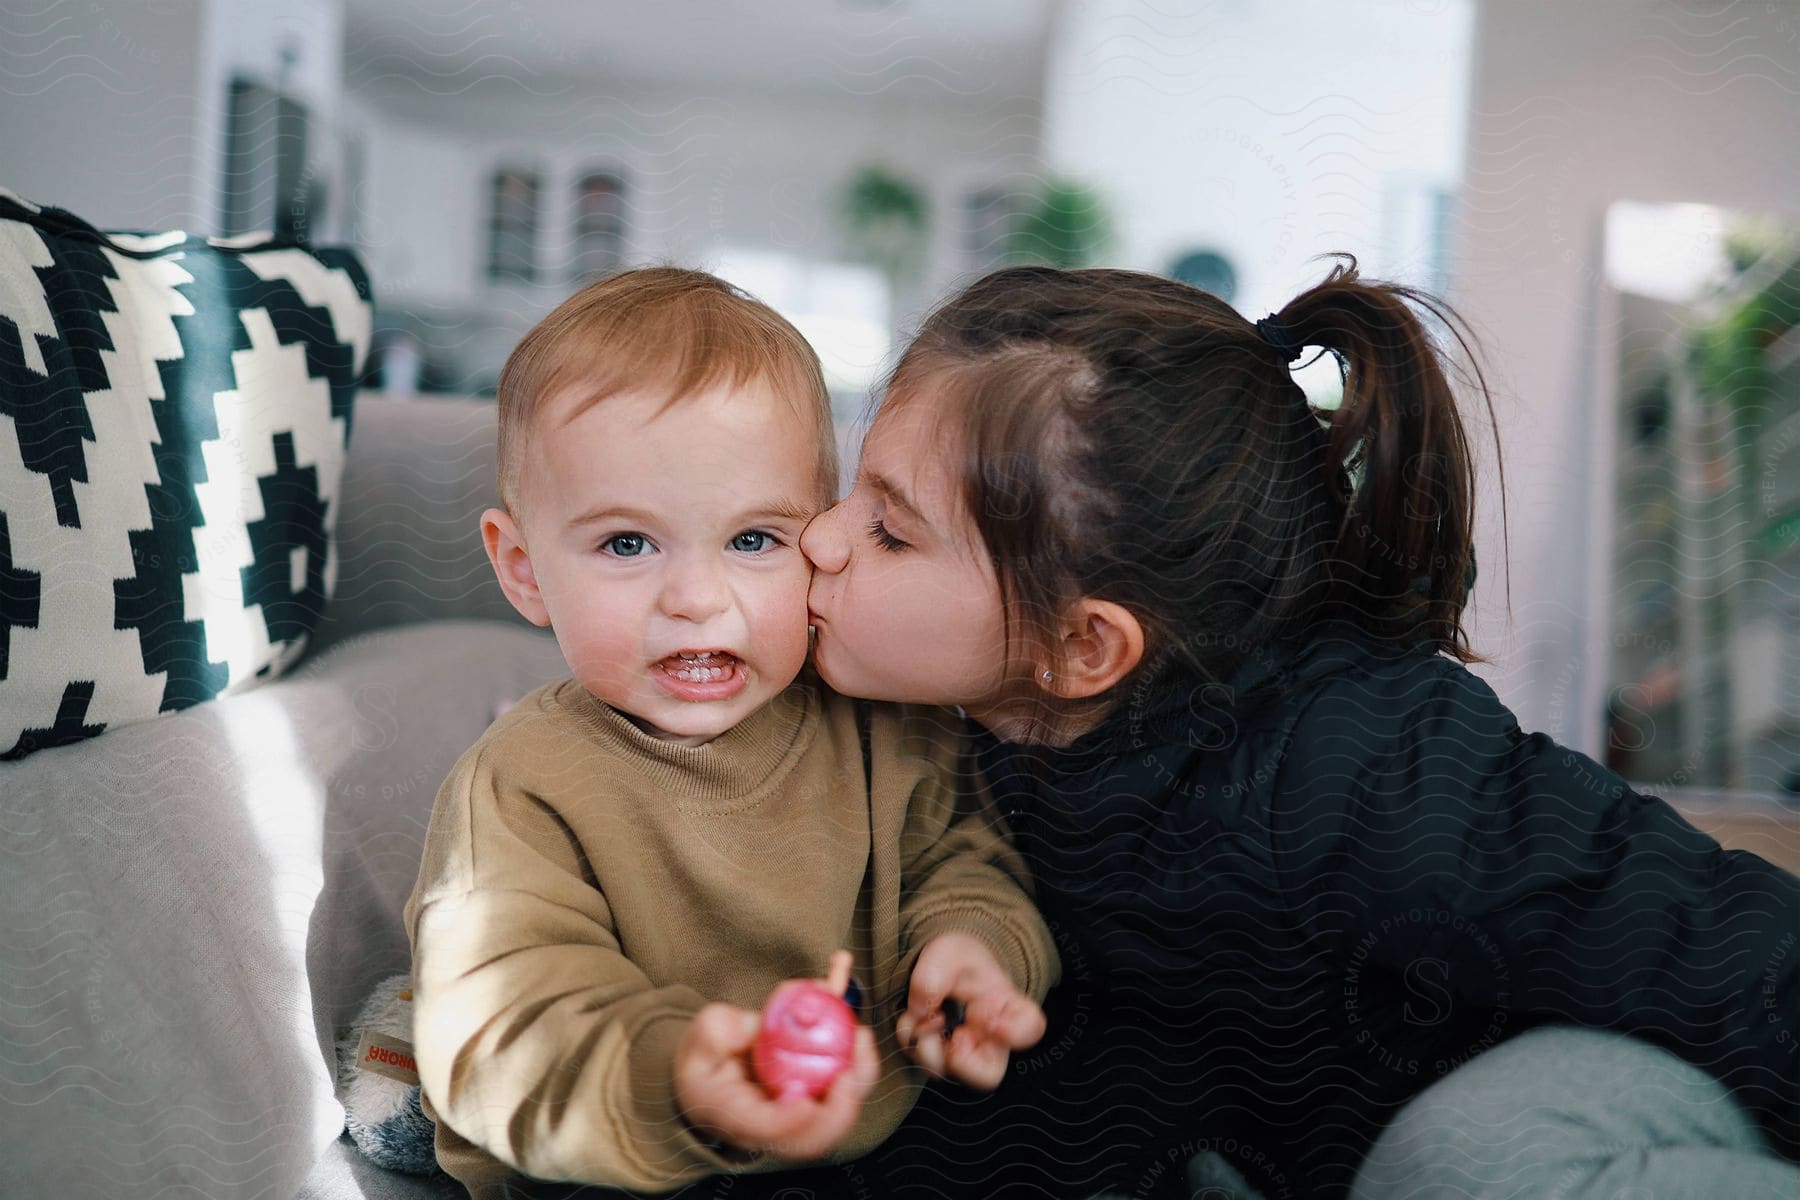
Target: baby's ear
(512,564)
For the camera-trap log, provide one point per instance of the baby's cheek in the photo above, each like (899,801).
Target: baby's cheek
(599,664)
(781,619)
(602,630)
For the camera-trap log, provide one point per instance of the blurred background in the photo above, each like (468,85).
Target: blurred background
(1606,190)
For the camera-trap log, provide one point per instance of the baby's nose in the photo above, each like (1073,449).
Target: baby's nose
(695,591)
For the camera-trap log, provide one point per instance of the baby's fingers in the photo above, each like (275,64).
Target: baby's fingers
(820,1126)
(925,1045)
(977,1061)
(865,1065)
(1009,1018)
(713,1088)
(722,1031)
(933,980)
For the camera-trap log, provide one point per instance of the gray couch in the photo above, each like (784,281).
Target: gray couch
(195,904)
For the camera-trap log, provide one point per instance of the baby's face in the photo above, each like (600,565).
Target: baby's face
(666,548)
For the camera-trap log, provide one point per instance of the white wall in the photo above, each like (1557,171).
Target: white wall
(115,110)
(99,110)
(1273,132)
(1575,106)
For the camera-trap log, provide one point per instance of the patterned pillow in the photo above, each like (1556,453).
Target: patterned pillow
(173,417)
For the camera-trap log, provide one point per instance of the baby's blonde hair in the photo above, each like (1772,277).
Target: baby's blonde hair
(665,330)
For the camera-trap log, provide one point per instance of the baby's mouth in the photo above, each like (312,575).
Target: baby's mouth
(699,666)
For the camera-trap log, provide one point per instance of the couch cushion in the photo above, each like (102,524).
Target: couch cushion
(342,1173)
(173,415)
(198,903)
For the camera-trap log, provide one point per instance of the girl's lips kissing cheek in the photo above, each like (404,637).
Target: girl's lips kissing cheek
(701,675)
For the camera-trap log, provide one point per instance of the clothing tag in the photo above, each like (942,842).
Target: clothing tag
(387,1056)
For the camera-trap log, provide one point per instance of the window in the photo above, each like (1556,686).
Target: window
(1416,218)
(843,309)
(267,184)
(512,226)
(599,225)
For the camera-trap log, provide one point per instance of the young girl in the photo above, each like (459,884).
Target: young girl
(1301,862)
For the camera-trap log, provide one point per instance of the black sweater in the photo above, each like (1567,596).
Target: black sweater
(1289,904)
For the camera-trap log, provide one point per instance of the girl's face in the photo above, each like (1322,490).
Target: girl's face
(904,596)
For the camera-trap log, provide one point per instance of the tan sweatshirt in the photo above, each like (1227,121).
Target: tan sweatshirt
(586,888)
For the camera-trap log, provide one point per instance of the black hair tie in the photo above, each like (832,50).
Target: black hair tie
(1272,331)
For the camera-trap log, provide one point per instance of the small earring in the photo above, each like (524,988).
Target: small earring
(1048,677)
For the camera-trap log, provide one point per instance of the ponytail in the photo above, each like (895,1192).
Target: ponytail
(1397,456)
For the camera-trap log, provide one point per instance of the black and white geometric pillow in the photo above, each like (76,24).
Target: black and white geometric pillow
(173,418)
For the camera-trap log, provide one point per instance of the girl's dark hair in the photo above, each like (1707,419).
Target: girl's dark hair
(1131,438)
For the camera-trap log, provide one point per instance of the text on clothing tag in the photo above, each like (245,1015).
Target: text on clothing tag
(387,1056)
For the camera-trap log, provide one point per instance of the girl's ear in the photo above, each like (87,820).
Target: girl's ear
(1102,643)
(512,564)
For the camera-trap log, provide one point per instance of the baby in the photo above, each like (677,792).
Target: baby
(623,867)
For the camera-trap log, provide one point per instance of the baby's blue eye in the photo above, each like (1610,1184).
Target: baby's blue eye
(752,541)
(625,545)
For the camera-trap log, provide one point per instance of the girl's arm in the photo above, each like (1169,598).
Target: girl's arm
(1423,832)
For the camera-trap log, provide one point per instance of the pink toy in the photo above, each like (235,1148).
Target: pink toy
(808,1035)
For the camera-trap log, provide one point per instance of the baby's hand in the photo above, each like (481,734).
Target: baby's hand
(997,1018)
(720,1096)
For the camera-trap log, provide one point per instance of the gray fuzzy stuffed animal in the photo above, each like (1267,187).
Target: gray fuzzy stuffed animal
(378,1083)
